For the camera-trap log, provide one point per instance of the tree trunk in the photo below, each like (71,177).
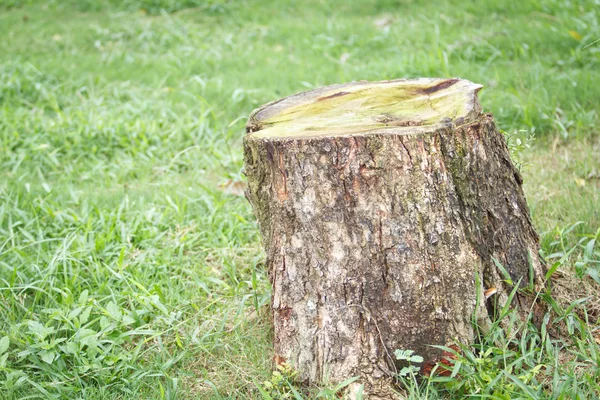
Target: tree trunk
(381,206)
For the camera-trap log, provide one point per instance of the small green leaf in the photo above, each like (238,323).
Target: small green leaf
(85,315)
(83,297)
(113,311)
(525,388)
(74,313)
(416,359)
(553,269)
(4,343)
(402,354)
(155,301)
(507,277)
(593,273)
(47,356)
(128,319)
(70,348)
(121,257)
(90,341)
(86,337)
(589,249)
(39,329)
(84,332)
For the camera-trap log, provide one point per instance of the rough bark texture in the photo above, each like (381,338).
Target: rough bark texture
(375,238)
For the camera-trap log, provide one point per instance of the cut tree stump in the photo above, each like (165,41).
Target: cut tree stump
(382,206)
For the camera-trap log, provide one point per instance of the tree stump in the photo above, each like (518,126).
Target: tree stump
(381,206)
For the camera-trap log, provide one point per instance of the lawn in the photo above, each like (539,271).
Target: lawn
(131,267)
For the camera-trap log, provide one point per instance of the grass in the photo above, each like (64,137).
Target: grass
(127,271)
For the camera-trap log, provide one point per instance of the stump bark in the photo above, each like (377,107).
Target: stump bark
(381,206)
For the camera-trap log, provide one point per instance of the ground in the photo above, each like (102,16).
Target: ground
(130,267)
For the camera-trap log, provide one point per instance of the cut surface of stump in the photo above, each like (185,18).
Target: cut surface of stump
(382,206)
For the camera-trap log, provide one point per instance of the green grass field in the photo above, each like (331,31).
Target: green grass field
(130,267)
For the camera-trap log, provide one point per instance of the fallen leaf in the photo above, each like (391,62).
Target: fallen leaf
(575,35)
(490,292)
(444,365)
(279,360)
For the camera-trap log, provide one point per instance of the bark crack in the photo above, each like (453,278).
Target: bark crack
(406,149)
(371,319)
(281,167)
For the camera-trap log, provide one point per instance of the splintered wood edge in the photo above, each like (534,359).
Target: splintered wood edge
(401,106)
